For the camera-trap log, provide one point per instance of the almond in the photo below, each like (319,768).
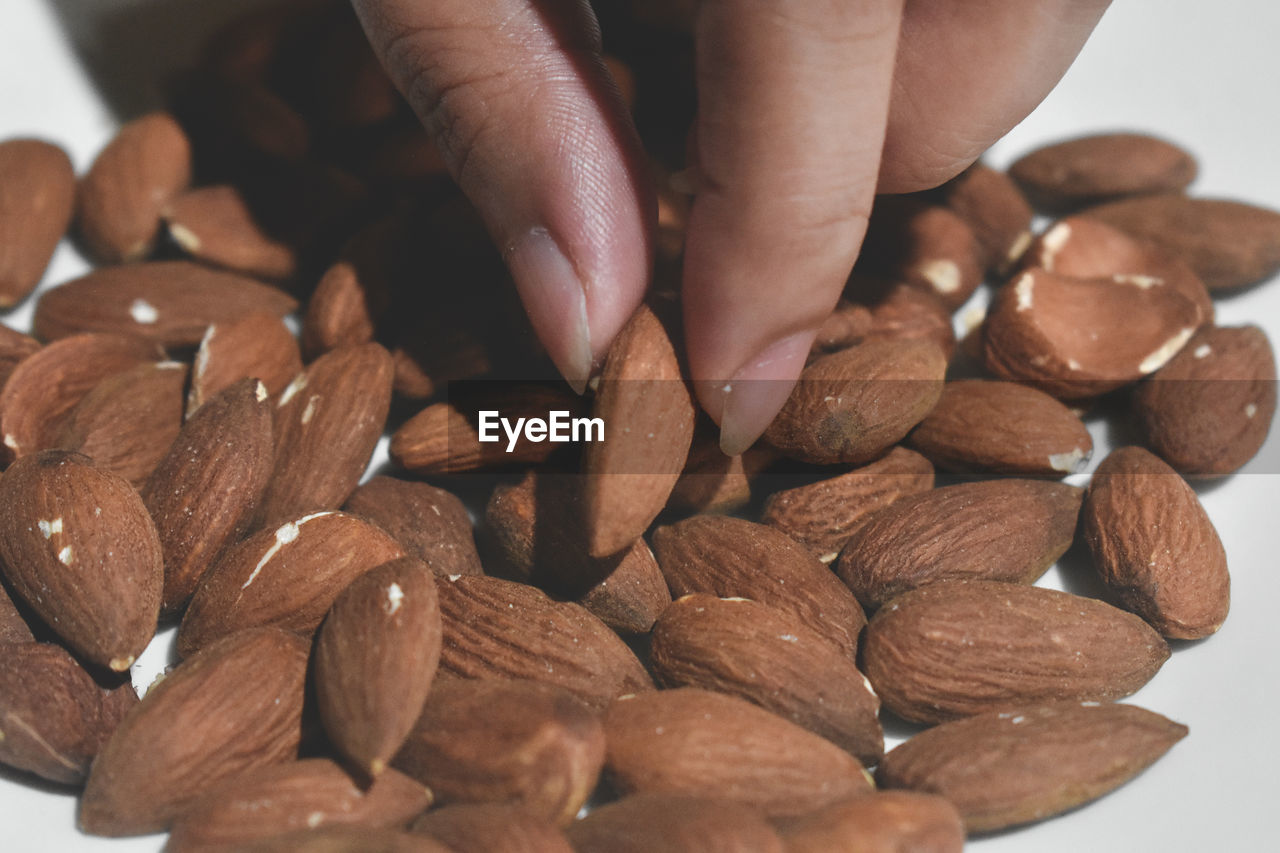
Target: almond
(286,576)
(713,482)
(990,202)
(216,225)
(770,658)
(901,312)
(885,822)
(133,178)
(205,490)
(1100,167)
(206,722)
(925,245)
(14,347)
(375,659)
(1155,546)
(355,292)
(37,196)
(847,324)
(701,744)
(491,828)
(347,839)
(958,648)
(257,345)
(63,521)
(518,742)
(169,302)
(675,823)
(429,523)
(733,558)
(1207,412)
(13,628)
(1003,769)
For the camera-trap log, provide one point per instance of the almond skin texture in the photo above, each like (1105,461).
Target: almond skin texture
(255,346)
(1155,546)
(1208,411)
(675,823)
(885,822)
(13,628)
(957,648)
(1002,428)
(431,524)
(1006,530)
(1005,769)
(65,520)
(648,416)
(37,194)
(133,178)
(328,421)
(997,211)
(853,405)
(516,742)
(1105,166)
(491,828)
(822,516)
(286,576)
(206,722)
(281,798)
(925,245)
(501,629)
(375,659)
(217,226)
(170,302)
(733,558)
(771,659)
(697,743)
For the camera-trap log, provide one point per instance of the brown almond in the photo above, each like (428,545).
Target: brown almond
(885,822)
(533,745)
(375,659)
(1155,546)
(234,707)
(501,629)
(963,647)
(347,839)
(1207,412)
(216,225)
(648,416)
(925,245)
(255,346)
(133,178)
(1002,428)
(733,558)
(1004,769)
(853,405)
(431,524)
(713,482)
(14,347)
(276,799)
(13,627)
(64,520)
(990,202)
(847,324)
(287,576)
(1228,244)
(328,421)
(356,290)
(1100,167)
(37,196)
(170,302)
(204,492)
(902,312)
(629,598)
(491,828)
(702,744)
(675,823)
(772,659)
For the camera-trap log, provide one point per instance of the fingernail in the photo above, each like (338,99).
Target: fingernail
(758,390)
(555,301)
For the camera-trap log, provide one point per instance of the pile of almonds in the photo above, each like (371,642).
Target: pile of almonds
(358,670)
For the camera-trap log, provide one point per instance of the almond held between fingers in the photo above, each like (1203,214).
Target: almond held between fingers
(733,558)
(491,828)
(233,707)
(532,745)
(1005,769)
(885,822)
(925,245)
(997,212)
(37,196)
(431,524)
(255,346)
(1104,166)
(1208,411)
(957,648)
(701,744)
(1154,545)
(673,822)
(79,547)
(216,225)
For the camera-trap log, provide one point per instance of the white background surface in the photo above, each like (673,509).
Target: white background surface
(1202,74)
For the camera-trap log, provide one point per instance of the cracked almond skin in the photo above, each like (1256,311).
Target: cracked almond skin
(286,576)
(1209,410)
(768,657)
(997,211)
(733,558)
(37,196)
(675,823)
(1103,166)
(885,822)
(233,707)
(1154,545)
(64,520)
(255,346)
(491,828)
(277,799)
(963,647)
(430,523)
(1002,428)
(1015,767)
(498,741)
(697,743)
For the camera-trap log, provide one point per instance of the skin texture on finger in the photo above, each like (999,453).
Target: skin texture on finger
(967,72)
(793,101)
(516,96)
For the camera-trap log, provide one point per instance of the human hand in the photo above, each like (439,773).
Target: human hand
(807,109)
